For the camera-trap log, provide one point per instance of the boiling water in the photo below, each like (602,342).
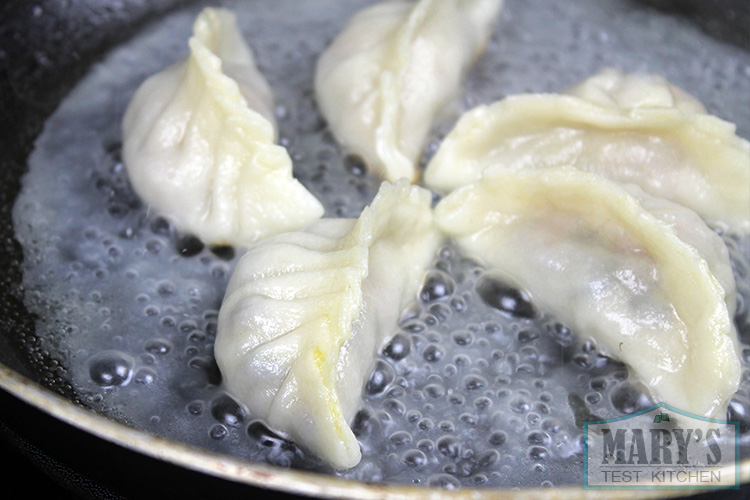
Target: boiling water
(476,387)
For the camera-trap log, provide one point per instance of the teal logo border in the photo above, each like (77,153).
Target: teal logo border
(586,485)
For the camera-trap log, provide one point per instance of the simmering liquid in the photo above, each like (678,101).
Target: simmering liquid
(477,386)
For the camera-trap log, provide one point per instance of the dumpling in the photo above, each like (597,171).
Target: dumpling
(611,88)
(198,143)
(630,128)
(645,277)
(392,70)
(305,313)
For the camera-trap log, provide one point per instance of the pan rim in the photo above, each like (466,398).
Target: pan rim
(289,480)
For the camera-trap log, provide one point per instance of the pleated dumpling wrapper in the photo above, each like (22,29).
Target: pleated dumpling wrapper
(393,69)
(305,313)
(630,128)
(198,143)
(642,276)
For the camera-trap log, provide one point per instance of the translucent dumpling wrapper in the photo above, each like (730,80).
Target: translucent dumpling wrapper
(305,313)
(198,143)
(394,68)
(644,277)
(630,128)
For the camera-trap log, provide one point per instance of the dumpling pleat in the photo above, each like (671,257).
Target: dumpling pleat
(305,312)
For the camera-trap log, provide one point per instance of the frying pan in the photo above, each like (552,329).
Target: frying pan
(45,48)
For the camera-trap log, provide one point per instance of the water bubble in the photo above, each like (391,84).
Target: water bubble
(195,408)
(111,368)
(462,337)
(426,445)
(458,304)
(538,453)
(394,406)
(225,410)
(479,479)
(551,425)
(437,286)
(434,391)
(598,383)
(414,326)
(533,419)
(426,424)
(449,446)
(395,392)
(168,321)
(443,265)
(542,408)
(561,334)
(468,418)
(158,346)
(224,252)
(520,404)
(381,376)
(160,226)
(482,403)
(152,311)
(400,438)
(538,438)
(398,348)
(414,458)
(461,360)
(364,424)
(593,398)
(144,376)
(627,399)
(433,353)
(196,337)
(147,359)
(188,326)
(739,411)
(444,481)
(456,399)
(430,320)
(165,288)
(154,246)
(487,458)
(413,416)
(441,312)
(527,335)
(218,432)
(498,438)
(620,375)
(265,437)
(188,246)
(492,328)
(355,165)
(500,295)
(446,426)
(446,252)
(474,382)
